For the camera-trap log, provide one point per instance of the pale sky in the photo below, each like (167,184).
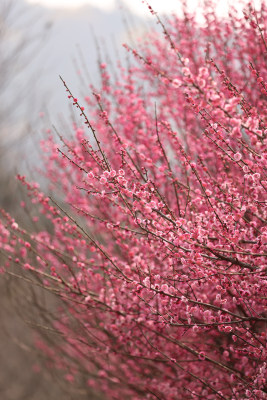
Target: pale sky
(135,6)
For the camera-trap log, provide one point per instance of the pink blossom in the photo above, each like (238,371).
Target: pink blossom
(237,156)
(156,238)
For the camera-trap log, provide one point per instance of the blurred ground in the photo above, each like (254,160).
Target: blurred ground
(18,380)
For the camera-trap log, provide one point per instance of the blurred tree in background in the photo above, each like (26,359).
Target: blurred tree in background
(22,35)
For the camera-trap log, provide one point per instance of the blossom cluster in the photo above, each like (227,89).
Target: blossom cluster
(157,239)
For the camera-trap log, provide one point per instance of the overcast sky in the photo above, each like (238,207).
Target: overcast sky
(135,6)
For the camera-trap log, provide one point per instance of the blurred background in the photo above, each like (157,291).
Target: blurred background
(40,40)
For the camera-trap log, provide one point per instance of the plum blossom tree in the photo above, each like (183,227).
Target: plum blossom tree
(157,249)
